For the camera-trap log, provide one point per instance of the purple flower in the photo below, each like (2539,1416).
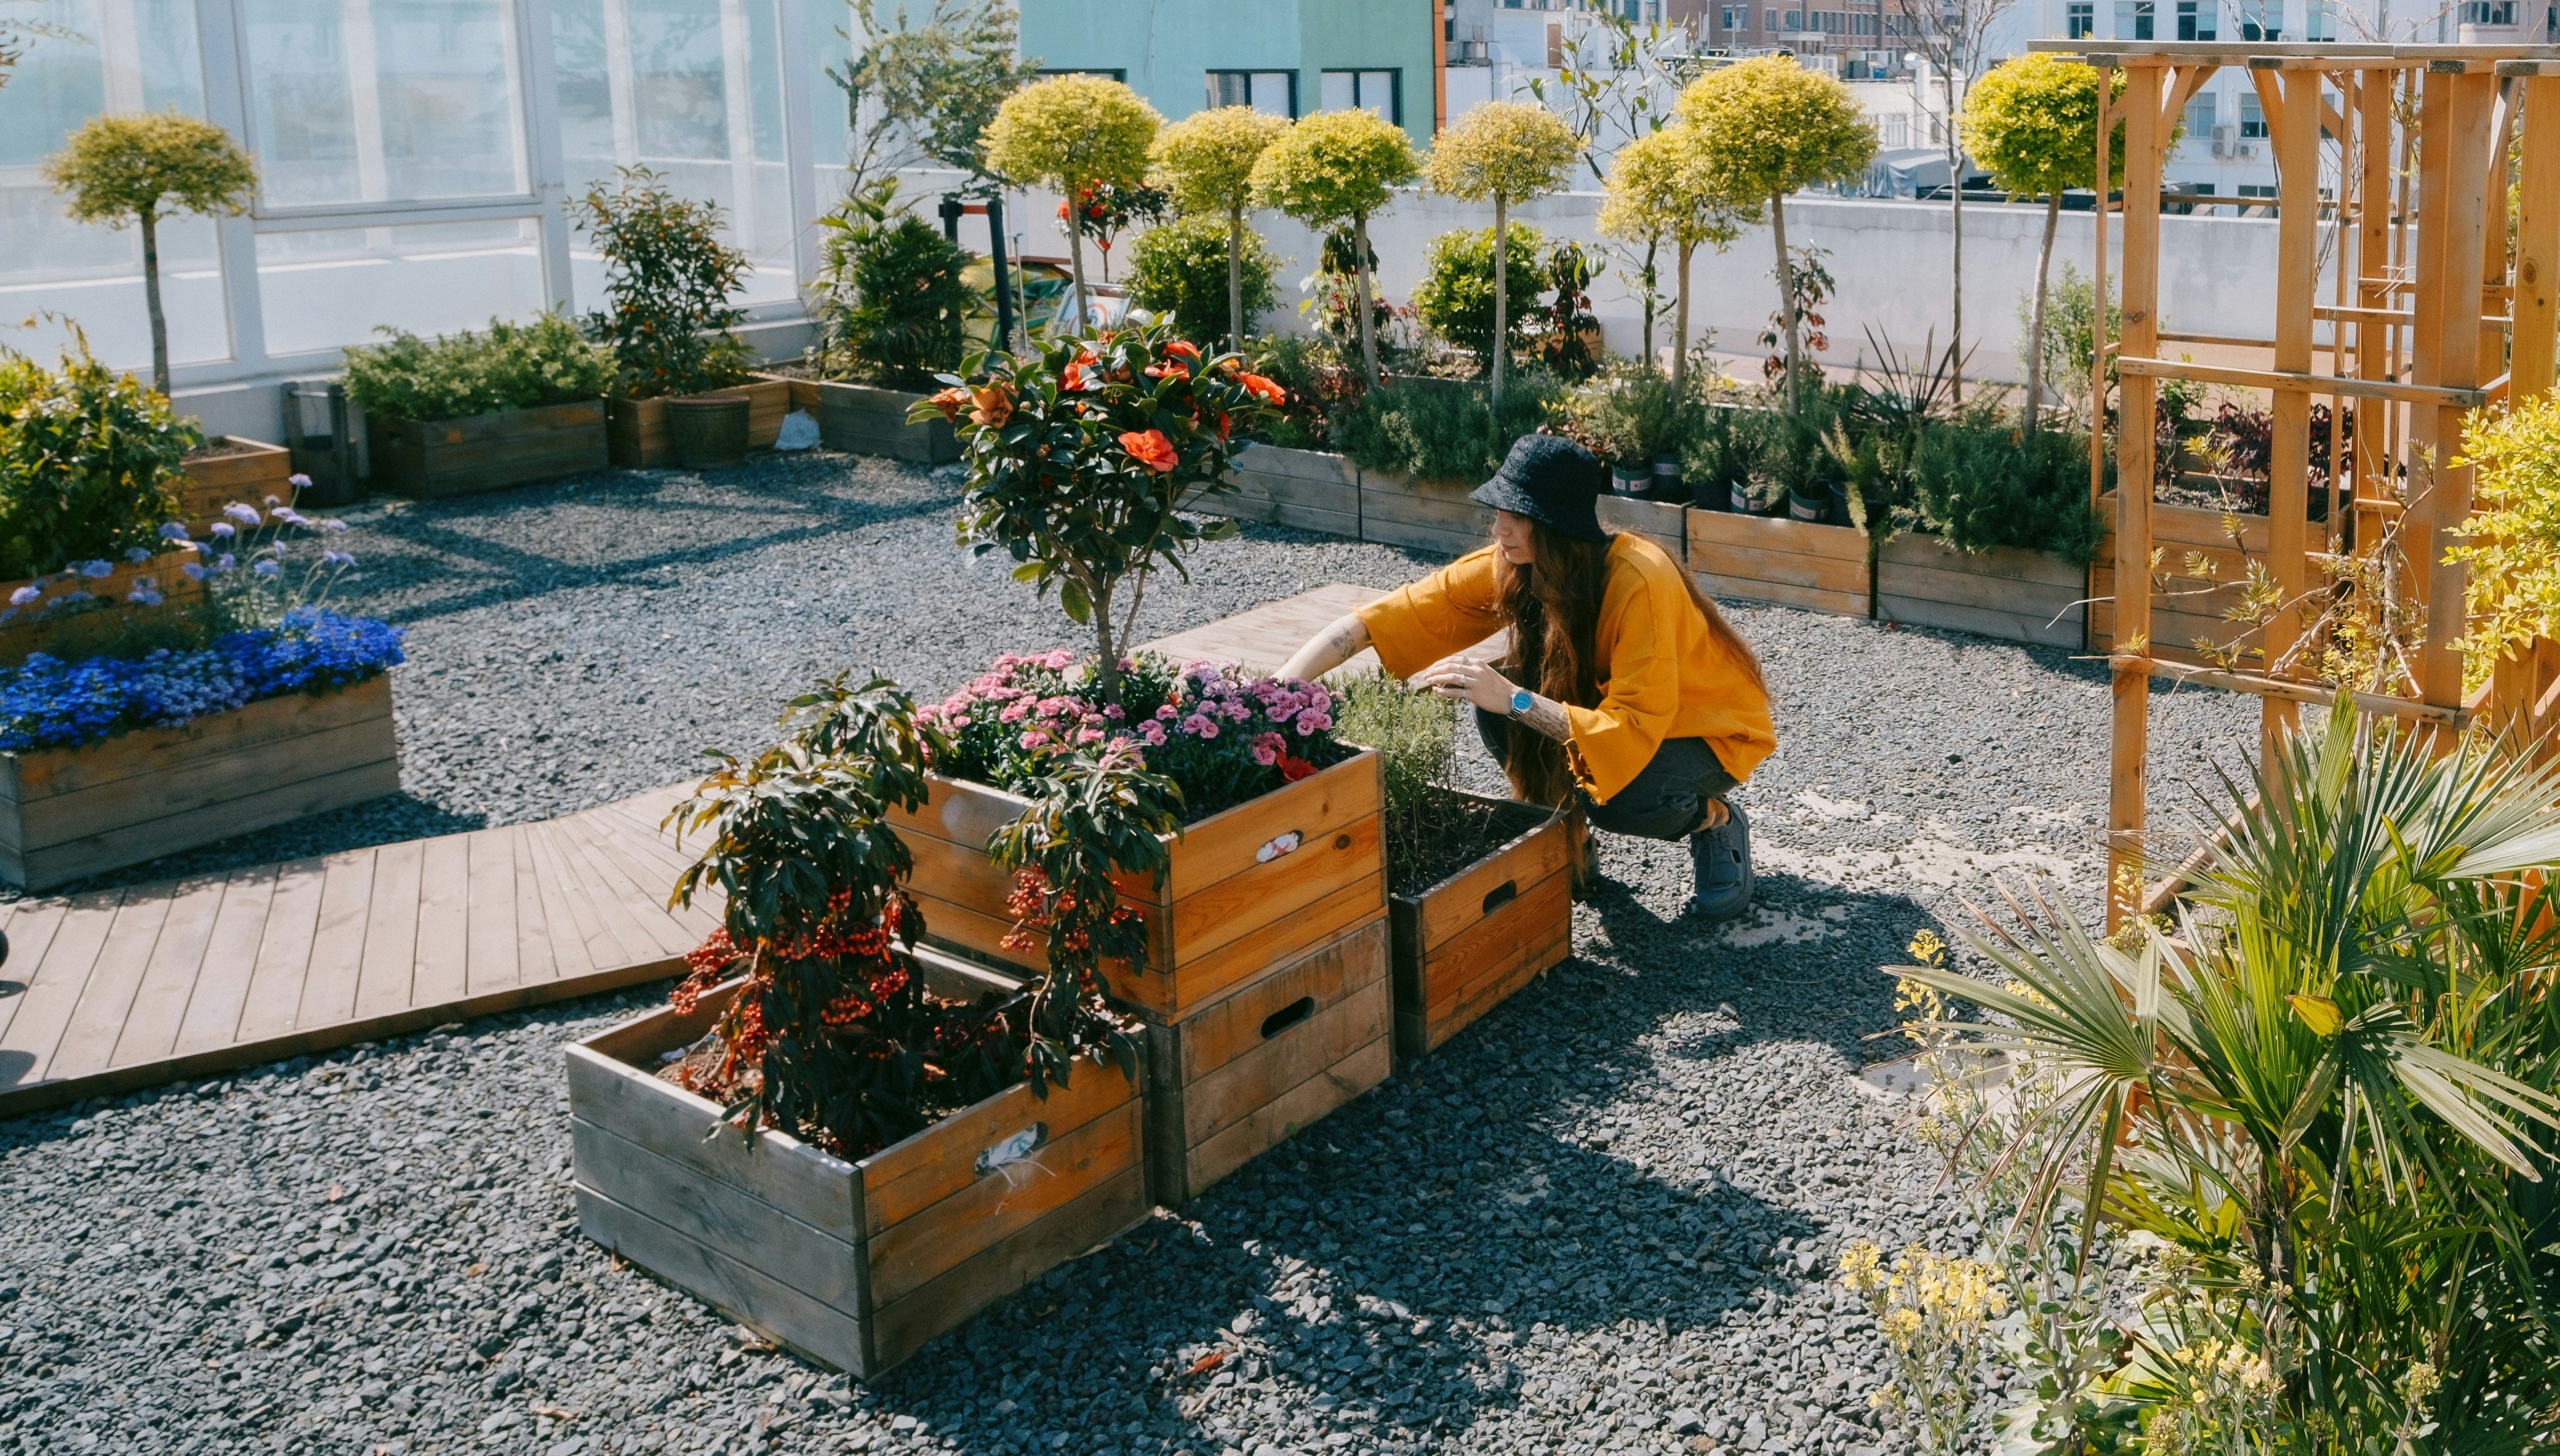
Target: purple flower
(137,554)
(174,530)
(336,559)
(247,515)
(224,531)
(298,481)
(224,562)
(26,596)
(266,568)
(333,526)
(95,570)
(194,571)
(145,592)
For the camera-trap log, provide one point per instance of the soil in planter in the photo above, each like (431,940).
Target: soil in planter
(1443,832)
(225,448)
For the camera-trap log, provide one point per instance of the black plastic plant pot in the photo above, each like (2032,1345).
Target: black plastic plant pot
(1805,506)
(1666,485)
(1629,480)
(1737,496)
(707,434)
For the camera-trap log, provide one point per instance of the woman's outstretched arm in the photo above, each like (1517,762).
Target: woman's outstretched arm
(1345,638)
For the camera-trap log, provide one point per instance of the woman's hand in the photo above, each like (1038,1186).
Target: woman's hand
(1469,682)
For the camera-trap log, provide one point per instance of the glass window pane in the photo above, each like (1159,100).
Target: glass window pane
(374,101)
(1340,96)
(326,288)
(1271,92)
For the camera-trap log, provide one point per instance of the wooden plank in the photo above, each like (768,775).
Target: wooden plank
(1283,1117)
(534,959)
(54,986)
(1458,903)
(89,1040)
(1165,997)
(1912,551)
(491,943)
(1003,1202)
(2532,364)
(1099,1216)
(604,926)
(647,880)
(1232,908)
(229,960)
(782,1314)
(2138,400)
(805,1183)
(389,970)
(138,843)
(574,928)
(30,925)
(1773,533)
(1224,1096)
(1790,569)
(718,1215)
(1806,598)
(1224,845)
(156,753)
(2067,629)
(1219,1033)
(169,977)
(908,1178)
(443,955)
(1517,966)
(282,956)
(1491,949)
(641,924)
(336,971)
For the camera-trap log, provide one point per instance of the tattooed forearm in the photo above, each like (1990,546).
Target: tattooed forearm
(1546,718)
(1339,643)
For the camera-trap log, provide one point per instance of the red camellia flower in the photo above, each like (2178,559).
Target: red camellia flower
(1293,768)
(994,406)
(1184,348)
(1075,380)
(1151,449)
(1263,388)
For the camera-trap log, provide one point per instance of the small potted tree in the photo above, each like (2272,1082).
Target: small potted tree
(668,279)
(892,308)
(1340,167)
(1507,152)
(478,411)
(1657,192)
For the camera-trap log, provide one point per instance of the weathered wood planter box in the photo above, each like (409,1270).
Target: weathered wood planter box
(872,422)
(244,470)
(635,430)
(1250,889)
(69,812)
(1666,526)
(852,1264)
(1245,1072)
(1468,942)
(1426,515)
(1312,490)
(1772,559)
(452,457)
(2006,592)
(27,629)
(2189,607)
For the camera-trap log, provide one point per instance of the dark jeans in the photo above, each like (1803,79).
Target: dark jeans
(1663,801)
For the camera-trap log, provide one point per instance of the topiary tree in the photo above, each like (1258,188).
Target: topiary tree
(1205,160)
(1659,192)
(1073,133)
(2032,123)
(1765,127)
(121,169)
(1507,152)
(1189,269)
(1338,167)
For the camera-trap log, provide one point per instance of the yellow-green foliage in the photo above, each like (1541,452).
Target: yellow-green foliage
(1334,166)
(1657,188)
(1072,132)
(2512,542)
(1205,160)
(2032,123)
(1504,149)
(121,169)
(1768,126)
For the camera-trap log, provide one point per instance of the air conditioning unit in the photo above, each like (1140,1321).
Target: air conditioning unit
(2225,139)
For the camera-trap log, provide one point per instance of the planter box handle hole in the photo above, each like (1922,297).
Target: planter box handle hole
(1012,1149)
(1287,1017)
(1500,896)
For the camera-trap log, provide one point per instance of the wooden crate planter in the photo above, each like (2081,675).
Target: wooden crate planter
(1463,945)
(452,457)
(635,430)
(802,393)
(1666,526)
(2018,596)
(872,422)
(2189,607)
(1312,490)
(69,812)
(28,632)
(1427,514)
(246,470)
(1775,560)
(855,1265)
(1251,889)
(1245,1072)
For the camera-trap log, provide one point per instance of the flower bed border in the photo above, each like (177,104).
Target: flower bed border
(635,430)
(429,459)
(1463,945)
(1771,559)
(869,420)
(214,482)
(1422,515)
(2008,592)
(1310,490)
(2176,622)
(27,632)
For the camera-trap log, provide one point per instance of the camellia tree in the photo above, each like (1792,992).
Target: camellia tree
(1763,128)
(121,169)
(1205,160)
(1073,133)
(1338,167)
(2032,123)
(1659,192)
(1078,456)
(1507,152)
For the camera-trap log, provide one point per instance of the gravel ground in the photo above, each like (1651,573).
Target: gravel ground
(1598,1221)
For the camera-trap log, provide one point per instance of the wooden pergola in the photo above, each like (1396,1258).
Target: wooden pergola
(2432,312)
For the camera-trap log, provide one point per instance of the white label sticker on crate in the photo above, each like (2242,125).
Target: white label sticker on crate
(1012,1149)
(1274,849)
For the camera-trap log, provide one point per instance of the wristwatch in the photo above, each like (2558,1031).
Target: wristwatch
(1522,701)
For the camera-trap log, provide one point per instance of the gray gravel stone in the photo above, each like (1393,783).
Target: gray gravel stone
(1600,1221)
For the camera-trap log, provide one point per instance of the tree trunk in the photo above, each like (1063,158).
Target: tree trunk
(1679,322)
(1502,293)
(2035,321)
(1107,664)
(1235,278)
(1075,266)
(1787,302)
(1360,297)
(1956,274)
(151,301)
(1653,297)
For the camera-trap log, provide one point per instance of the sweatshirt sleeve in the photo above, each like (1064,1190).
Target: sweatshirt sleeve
(1450,610)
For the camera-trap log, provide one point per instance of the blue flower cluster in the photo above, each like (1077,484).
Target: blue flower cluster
(52,704)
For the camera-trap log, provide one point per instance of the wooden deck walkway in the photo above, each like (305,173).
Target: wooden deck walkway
(1262,639)
(158,983)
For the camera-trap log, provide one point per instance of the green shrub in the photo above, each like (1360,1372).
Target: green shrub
(1455,298)
(87,457)
(1629,416)
(892,307)
(668,278)
(1180,268)
(1443,429)
(1415,736)
(511,366)
(1982,485)
(1321,384)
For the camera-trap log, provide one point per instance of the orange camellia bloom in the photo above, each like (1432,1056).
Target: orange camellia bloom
(994,406)
(1149,448)
(951,401)
(1263,388)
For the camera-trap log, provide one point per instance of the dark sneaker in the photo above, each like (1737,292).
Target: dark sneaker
(1722,859)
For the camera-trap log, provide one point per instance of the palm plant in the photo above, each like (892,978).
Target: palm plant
(2329,1091)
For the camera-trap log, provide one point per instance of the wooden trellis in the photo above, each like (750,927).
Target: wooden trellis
(2426,289)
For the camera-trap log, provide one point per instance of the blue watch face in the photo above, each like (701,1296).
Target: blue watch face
(1522,698)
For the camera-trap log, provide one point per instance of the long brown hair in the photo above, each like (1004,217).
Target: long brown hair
(1554,604)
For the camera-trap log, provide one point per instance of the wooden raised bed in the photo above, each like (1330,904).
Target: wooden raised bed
(245,470)
(1313,490)
(26,631)
(1789,562)
(1467,944)
(452,457)
(69,812)
(2006,592)
(855,1265)
(1426,515)
(1244,1074)
(1666,526)
(635,430)
(1251,889)
(2189,607)
(872,422)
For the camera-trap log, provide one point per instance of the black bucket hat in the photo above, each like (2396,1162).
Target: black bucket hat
(1552,481)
